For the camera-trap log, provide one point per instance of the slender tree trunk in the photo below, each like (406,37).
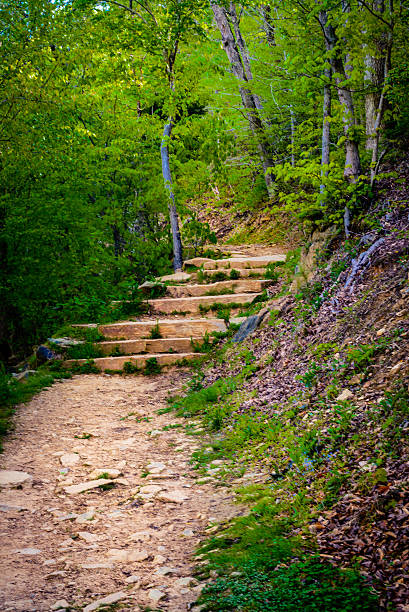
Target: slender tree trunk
(352,168)
(352,159)
(242,48)
(247,97)
(292,126)
(268,25)
(374,77)
(167,178)
(326,127)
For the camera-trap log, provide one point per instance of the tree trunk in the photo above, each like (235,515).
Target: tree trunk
(352,159)
(352,168)
(268,25)
(167,178)
(326,127)
(242,48)
(247,97)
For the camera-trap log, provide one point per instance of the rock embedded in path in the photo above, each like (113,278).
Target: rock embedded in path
(185,582)
(127,556)
(87,486)
(155,595)
(132,579)
(188,533)
(94,566)
(150,489)
(69,459)
(29,551)
(175,497)
(164,571)
(61,604)
(7,508)
(107,473)
(88,537)
(86,516)
(12,478)
(109,600)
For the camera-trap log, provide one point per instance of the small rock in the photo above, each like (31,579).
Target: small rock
(150,489)
(6,508)
(132,579)
(28,551)
(156,432)
(60,604)
(88,537)
(380,332)
(86,516)
(174,497)
(158,559)
(86,486)
(395,369)
(93,566)
(140,536)
(106,601)
(164,571)
(12,478)
(57,574)
(213,471)
(107,473)
(156,466)
(185,582)
(67,517)
(155,595)
(188,533)
(127,556)
(69,459)
(345,395)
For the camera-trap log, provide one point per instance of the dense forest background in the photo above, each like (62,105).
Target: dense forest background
(295,107)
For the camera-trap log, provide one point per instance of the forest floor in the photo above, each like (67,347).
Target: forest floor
(134,537)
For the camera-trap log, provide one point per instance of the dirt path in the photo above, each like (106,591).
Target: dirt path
(135,539)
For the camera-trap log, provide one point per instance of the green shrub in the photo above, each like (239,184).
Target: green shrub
(309,584)
(152,367)
(83,351)
(155,334)
(88,367)
(130,368)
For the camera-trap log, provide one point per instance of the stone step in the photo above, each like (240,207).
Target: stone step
(158,345)
(117,363)
(235,262)
(219,288)
(192,304)
(243,272)
(168,328)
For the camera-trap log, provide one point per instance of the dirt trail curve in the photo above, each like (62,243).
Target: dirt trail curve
(133,541)
(111,511)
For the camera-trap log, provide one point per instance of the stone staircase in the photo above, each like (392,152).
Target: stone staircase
(179,320)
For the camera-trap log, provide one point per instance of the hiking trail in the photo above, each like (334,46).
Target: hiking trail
(99,504)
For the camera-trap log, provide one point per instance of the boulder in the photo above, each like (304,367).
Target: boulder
(250,325)
(65,342)
(44,354)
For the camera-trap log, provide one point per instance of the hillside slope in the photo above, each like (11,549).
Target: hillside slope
(317,401)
